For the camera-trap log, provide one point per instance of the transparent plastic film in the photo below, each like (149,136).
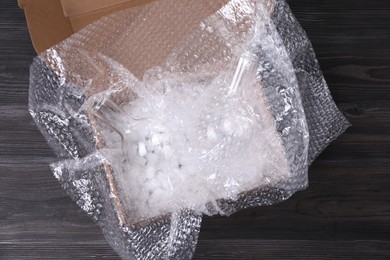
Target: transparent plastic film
(175,109)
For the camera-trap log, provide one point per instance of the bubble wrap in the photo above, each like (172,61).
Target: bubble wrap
(172,110)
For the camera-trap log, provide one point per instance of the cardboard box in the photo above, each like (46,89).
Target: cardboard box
(51,21)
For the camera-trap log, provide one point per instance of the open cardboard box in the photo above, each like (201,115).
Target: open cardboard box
(51,21)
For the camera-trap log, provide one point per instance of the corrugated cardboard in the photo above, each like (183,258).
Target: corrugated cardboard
(80,7)
(51,21)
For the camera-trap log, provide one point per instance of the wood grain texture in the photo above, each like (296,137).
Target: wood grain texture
(344,214)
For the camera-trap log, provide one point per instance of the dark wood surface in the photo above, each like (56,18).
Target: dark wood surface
(345,214)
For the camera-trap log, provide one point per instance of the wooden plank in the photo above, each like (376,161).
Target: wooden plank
(291,250)
(214,250)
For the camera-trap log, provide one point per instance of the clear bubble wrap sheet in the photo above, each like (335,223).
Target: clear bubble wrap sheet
(175,109)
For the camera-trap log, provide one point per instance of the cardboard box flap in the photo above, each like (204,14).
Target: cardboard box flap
(80,7)
(48,24)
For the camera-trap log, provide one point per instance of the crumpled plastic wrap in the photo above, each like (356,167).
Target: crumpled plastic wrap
(175,109)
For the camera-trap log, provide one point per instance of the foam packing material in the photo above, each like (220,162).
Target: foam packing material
(175,109)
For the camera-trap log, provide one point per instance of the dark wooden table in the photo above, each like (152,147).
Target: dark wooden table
(345,214)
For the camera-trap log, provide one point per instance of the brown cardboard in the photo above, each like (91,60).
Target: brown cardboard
(51,21)
(79,7)
(46,21)
(81,20)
